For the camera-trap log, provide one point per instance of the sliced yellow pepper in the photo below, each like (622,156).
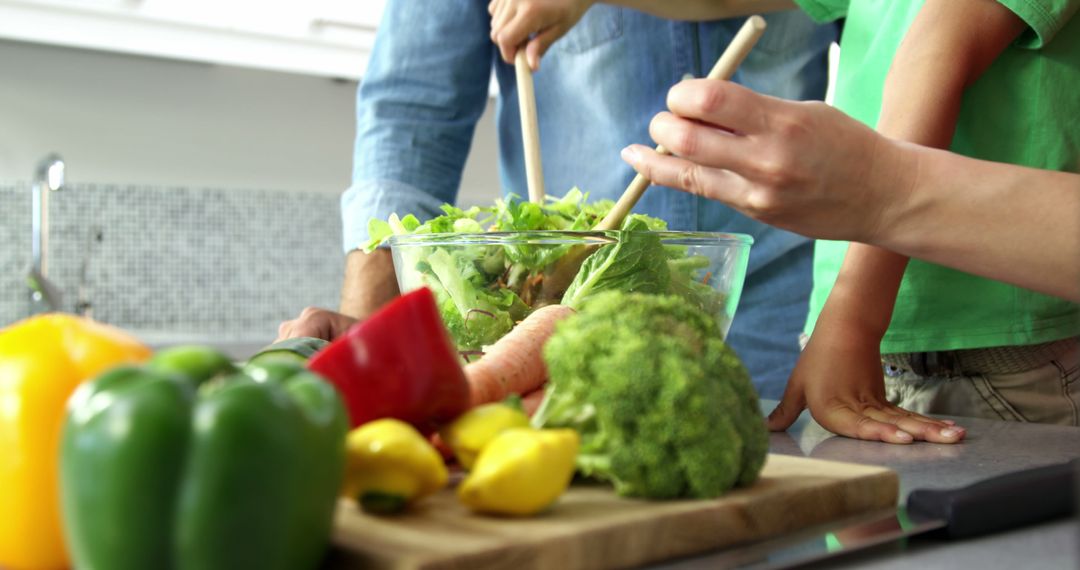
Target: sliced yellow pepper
(521,472)
(468,434)
(389,466)
(42,360)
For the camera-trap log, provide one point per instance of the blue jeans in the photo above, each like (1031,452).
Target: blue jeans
(767,337)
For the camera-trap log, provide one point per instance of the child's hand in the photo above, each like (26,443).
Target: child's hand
(839,378)
(513,22)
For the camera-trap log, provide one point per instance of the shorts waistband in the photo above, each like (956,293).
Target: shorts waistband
(993,360)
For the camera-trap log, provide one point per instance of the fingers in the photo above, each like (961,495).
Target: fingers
(539,45)
(500,17)
(677,172)
(895,415)
(721,103)
(513,27)
(283,331)
(701,143)
(848,422)
(919,426)
(792,403)
(315,322)
(933,432)
(784,415)
(498,10)
(889,424)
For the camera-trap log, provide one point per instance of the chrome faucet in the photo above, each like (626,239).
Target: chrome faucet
(48,177)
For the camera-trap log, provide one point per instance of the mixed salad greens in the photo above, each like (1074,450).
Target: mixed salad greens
(483,288)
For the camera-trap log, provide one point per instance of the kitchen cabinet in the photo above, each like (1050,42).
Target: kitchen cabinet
(330,38)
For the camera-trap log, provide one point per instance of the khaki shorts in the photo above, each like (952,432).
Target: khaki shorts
(1039,383)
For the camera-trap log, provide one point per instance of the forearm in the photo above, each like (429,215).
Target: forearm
(703,10)
(945,50)
(1017,207)
(369,282)
(413,136)
(1020,224)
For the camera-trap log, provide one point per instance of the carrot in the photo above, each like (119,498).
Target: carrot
(514,364)
(441,446)
(531,402)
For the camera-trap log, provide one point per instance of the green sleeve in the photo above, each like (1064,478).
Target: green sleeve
(824,10)
(1045,18)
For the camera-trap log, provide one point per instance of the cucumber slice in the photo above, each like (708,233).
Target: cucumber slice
(298,349)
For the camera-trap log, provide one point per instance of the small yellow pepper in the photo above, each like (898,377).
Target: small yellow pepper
(521,472)
(42,360)
(389,465)
(468,434)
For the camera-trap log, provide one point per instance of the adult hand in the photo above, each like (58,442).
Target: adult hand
(316,322)
(801,166)
(839,377)
(538,22)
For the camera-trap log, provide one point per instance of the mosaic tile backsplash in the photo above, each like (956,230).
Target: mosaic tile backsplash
(221,264)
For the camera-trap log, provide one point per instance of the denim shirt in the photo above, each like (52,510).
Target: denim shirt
(598,87)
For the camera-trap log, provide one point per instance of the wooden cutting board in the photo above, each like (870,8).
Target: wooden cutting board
(590,527)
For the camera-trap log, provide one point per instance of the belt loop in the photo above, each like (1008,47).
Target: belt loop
(919,363)
(941,363)
(949,362)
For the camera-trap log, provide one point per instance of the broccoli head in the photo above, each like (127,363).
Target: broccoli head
(665,409)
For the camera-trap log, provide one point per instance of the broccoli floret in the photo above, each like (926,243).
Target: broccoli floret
(665,409)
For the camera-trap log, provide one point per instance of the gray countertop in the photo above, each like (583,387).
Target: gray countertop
(990,448)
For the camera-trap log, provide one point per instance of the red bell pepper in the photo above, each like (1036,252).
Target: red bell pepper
(399,363)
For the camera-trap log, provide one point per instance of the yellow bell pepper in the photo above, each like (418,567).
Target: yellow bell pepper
(521,472)
(389,466)
(42,360)
(468,434)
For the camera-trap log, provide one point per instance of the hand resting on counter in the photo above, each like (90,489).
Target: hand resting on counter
(317,323)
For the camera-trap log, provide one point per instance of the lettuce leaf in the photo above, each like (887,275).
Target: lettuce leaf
(637,263)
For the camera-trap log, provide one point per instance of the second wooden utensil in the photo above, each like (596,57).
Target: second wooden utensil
(530,131)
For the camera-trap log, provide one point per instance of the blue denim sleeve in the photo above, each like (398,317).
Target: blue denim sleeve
(424,89)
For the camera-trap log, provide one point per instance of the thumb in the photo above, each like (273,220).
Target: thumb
(787,411)
(284,331)
(540,43)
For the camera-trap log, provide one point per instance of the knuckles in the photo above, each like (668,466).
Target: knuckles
(690,179)
(697,98)
(708,96)
(678,136)
(310,312)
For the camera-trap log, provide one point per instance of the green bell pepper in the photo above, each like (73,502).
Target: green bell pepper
(188,463)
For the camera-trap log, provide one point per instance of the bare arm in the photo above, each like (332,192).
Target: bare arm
(949,45)
(1009,232)
(703,10)
(369,283)
(838,376)
(976,216)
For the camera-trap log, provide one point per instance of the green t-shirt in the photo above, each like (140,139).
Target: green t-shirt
(1025,109)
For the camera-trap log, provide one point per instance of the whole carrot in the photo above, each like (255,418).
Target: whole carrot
(514,364)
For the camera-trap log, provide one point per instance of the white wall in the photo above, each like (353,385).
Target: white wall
(127,119)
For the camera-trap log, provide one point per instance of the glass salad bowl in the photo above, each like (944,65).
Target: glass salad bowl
(485,282)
